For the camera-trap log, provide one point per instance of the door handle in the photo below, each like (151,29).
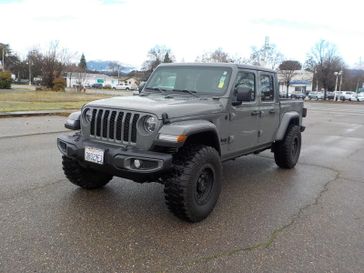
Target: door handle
(255,113)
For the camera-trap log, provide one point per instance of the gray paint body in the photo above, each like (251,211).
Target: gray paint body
(238,128)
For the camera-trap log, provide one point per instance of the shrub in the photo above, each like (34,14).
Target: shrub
(59,84)
(107,86)
(5,80)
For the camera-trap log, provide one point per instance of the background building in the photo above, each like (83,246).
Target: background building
(76,79)
(300,82)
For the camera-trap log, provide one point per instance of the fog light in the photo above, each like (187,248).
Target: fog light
(62,146)
(137,163)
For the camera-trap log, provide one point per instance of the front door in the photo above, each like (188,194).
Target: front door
(269,108)
(244,118)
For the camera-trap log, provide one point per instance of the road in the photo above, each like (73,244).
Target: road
(309,219)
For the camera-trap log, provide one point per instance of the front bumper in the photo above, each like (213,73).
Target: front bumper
(118,160)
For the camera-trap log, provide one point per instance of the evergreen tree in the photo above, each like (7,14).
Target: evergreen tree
(82,63)
(167,59)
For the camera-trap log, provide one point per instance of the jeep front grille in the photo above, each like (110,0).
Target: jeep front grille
(115,126)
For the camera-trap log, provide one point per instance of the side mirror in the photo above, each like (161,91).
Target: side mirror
(243,94)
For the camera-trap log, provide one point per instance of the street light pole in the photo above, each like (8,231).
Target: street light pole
(335,91)
(30,72)
(341,79)
(337,76)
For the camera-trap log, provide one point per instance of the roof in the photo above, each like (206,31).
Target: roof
(300,82)
(236,66)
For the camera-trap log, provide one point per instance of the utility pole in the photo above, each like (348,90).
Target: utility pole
(263,59)
(317,81)
(3,60)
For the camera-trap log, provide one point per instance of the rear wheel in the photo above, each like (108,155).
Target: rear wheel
(83,177)
(287,151)
(192,192)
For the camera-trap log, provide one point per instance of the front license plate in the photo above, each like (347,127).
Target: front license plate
(94,155)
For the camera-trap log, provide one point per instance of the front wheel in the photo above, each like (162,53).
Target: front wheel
(192,192)
(287,151)
(84,177)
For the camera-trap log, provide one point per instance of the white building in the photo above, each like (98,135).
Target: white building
(300,82)
(75,79)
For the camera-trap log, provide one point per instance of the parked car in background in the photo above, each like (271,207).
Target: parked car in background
(97,85)
(360,96)
(298,95)
(353,97)
(330,95)
(346,95)
(123,86)
(314,95)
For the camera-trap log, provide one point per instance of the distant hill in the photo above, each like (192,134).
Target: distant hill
(104,66)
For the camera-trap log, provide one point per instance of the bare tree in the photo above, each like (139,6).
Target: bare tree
(115,67)
(268,56)
(35,63)
(217,56)
(287,70)
(51,65)
(324,60)
(156,55)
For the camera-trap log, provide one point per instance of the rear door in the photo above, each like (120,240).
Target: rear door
(268,107)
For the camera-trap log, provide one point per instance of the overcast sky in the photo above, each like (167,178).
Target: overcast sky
(125,30)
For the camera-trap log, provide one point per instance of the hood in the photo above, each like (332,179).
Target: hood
(174,106)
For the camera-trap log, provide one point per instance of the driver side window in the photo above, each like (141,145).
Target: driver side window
(246,80)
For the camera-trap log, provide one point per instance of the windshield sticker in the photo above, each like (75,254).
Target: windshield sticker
(222,82)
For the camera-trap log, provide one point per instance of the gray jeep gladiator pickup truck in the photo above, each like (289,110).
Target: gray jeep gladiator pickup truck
(187,120)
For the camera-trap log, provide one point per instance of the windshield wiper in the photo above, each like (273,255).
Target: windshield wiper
(191,92)
(157,89)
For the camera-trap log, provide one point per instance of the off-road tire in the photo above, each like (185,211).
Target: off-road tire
(192,191)
(83,177)
(287,151)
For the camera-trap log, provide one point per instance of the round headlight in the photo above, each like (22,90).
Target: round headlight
(87,114)
(150,124)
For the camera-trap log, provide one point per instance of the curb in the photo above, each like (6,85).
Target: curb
(35,134)
(36,113)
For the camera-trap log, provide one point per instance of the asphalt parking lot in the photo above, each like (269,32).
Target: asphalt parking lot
(309,219)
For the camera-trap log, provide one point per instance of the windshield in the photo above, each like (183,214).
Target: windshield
(199,79)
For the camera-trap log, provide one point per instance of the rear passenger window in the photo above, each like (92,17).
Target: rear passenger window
(246,80)
(266,88)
